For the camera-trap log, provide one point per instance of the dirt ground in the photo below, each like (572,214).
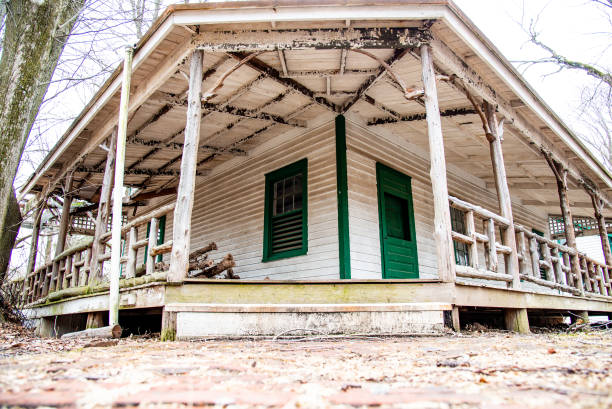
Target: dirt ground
(470,370)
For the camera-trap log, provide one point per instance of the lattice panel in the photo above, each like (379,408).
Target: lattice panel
(581,224)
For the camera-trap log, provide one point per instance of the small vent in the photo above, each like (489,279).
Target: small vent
(287,232)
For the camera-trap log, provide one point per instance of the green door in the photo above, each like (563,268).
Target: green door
(396,221)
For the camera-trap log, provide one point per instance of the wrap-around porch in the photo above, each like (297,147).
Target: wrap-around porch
(388,119)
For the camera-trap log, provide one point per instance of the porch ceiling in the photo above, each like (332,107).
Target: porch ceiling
(280,90)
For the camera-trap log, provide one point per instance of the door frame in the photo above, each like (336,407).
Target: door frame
(380,169)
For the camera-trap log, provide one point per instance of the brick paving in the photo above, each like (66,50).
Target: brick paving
(474,370)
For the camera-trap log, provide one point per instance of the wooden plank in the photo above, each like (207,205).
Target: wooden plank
(179,257)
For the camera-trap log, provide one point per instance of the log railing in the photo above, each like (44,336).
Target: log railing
(74,267)
(492,223)
(541,261)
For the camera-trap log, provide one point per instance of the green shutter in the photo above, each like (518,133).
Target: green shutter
(286,234)
(342,189)
(161,232)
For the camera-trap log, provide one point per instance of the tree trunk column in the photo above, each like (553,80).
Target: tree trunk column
(601,225)
(503,193)
(63,232)
(568,221)
(181,237)
(35,235)
(437,173)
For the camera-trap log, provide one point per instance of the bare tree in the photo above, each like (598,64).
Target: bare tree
(596,107)
(34,34)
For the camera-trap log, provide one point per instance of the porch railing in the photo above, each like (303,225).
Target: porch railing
(541,261)
(72,269)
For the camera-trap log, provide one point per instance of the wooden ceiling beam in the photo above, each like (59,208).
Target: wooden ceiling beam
(451,112)
(300,39)
(289,83)
(163,171)
(398,54)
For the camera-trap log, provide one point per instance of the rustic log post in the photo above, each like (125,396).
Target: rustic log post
(130,266)
(601,225)
(470,228)
(569,280)
(437,173)
(517,320)
(35,235)
(113,298)
(570,235)
(550,275)
(503,193)
(490,249)
(63,232)
(522,245)
(98,248)
(150,261)
(535,257)
(181,237)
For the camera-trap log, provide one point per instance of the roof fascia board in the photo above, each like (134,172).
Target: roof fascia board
(498,63)
(318,13)
(101,98)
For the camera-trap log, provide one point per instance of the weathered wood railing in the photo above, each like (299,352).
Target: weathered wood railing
(541,261)
(473,238)
(73,268)
(133,245)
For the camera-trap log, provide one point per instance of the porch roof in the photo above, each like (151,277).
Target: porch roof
(306,73)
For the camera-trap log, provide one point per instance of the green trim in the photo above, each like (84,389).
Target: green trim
(344,246)
(161,232)
(386,172)
(300,166)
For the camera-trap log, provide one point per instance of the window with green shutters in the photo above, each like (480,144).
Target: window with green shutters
(286,212)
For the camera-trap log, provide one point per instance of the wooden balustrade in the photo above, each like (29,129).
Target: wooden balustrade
(73,265)
(541,261)
(472,238)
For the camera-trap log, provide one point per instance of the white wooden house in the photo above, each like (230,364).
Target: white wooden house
(368,167)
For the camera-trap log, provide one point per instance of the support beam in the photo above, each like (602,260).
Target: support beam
(163,171)
(366,85)
(560,173)
(421,117)
(274,75)
(601,226)
(503,193)
(181,238)
(442,220)
(103,209)
(324,38)
(65,217)
(113,298)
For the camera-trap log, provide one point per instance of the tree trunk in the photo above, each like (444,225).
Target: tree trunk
(7,238)
(34,36)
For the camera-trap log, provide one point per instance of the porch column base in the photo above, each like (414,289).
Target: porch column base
(517,320)
(168,329)
(455,319)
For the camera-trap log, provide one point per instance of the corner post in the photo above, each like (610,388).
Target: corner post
(344,246)
(181,236)
(113,297)
(442,220)
(503,193)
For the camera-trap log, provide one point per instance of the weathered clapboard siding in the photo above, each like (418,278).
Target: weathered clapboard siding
(365,148)
(229,208)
